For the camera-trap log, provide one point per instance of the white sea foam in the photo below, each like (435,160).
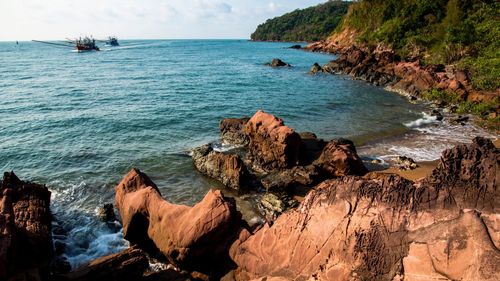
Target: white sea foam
(223,147)
(101,245)
(426,140)
(425,120)
(85,236)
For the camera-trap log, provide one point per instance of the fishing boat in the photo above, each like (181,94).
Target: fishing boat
(112,41)
(81,44)
(85,44)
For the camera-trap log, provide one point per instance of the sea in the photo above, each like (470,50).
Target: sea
(78,122)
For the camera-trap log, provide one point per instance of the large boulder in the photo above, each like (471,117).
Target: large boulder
(339,158)
(191,237)
(272,144)
(229,169)
(25,230)
(231,131)
(384,227)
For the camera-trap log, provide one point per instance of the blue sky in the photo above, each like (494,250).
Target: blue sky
(135,19)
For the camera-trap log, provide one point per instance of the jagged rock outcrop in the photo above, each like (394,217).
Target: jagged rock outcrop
(25,230)
(231,131)
(229,169)
(339,158)
(272,144)
(384,227)
(195,238)
(275,156)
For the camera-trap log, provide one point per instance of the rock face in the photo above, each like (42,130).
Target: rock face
(278,63)
(384,227)
(229,169)
(191,237)
(339,158)
(231,131)
(272,144)
(25,230)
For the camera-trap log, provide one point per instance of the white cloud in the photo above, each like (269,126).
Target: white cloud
(57,19)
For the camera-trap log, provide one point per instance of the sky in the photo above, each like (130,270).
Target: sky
(139,19)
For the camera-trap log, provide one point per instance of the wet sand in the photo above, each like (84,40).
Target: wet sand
(424,169)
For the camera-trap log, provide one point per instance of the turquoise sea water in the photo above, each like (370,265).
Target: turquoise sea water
(79,121)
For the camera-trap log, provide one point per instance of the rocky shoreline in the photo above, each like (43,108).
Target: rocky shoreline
(381,66)
(352,224)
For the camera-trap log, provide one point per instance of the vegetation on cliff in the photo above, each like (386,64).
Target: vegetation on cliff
(311,24)
(461,32)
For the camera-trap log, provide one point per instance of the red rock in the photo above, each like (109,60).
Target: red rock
(25,230)
(454,85)
(339,158)
(127,265)
(384,227)
(191,237)
(272,144)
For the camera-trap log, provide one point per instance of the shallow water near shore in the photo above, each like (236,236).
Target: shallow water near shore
(79,121)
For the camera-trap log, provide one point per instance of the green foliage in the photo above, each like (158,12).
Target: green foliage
(438,95)
(462,32)
(477,108)
(311,24)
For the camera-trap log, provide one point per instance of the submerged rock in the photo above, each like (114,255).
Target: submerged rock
(384,227)
(278,63)
(295,47)
(25,230)
(194,238)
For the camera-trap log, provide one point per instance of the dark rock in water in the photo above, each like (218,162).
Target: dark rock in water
(272,144)
(231,131)
(278,63)
(405,163)
(316,68)
(339,158)
(193,238)
(25,230)
(384,227)
(437,114)
(460,119)
(61,265)
(106,213)
(295,47)
(229,169)
(129,265)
